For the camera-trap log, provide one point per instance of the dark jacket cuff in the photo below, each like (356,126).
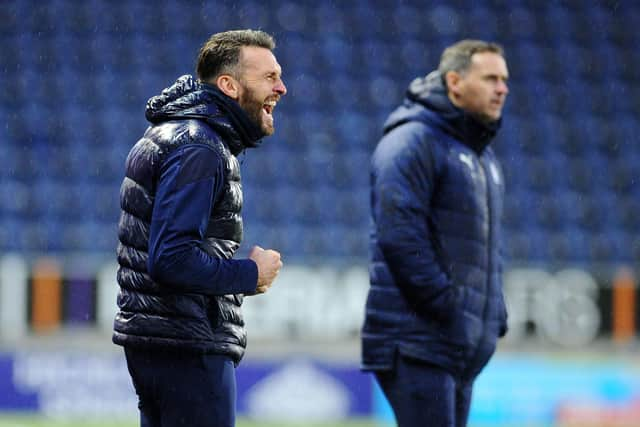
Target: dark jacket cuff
(247,278)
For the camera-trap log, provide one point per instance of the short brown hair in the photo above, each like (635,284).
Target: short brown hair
(221,53)
(457,57)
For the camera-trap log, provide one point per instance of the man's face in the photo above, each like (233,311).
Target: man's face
(482,89)
(261,85)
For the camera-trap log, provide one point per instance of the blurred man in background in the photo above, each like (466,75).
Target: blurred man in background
(435,306)
(181,291)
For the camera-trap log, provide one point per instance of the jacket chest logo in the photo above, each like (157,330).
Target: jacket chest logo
(467,160)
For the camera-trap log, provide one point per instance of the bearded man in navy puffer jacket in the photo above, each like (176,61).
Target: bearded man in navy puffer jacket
(181,290)
(435,306)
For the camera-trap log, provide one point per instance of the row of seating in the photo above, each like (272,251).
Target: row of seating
(298,241)
(514,19)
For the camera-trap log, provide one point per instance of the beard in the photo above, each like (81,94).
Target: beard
(253,106)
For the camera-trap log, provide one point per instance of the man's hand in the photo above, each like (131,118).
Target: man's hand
(269,265)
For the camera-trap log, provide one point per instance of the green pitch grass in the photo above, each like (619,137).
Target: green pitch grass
(35,421)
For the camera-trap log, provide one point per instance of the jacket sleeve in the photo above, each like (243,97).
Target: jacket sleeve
(504,325)
(191,178)
(403,183)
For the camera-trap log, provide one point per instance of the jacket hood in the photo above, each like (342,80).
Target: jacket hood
(427,101)
(189,99)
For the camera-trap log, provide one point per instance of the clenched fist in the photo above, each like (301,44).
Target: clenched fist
(269,265)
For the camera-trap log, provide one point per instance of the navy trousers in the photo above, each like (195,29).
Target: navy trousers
(422,395)
(176,390)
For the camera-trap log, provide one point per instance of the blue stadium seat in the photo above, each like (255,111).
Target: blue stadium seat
(352,208)
(518,207)
(303,207)
(482,17)
(378,57)
(348,92)
(407,21)
(417,57)
(355,127)
(179,51)
(15,198)
(42,236)
(11,233)
(52,199)
(298,56)
(12,16)
(306,86)
(83,236)
(337,54)
(522,24)
(607,247)
(570,246)
(528,244)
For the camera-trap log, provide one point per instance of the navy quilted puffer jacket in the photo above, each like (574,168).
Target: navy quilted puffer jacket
(180,287)
(435,271)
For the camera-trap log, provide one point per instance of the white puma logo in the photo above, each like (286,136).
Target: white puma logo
(466,159)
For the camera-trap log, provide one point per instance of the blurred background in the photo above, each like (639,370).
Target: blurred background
(74,80)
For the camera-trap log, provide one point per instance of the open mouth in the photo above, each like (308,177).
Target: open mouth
(269,106)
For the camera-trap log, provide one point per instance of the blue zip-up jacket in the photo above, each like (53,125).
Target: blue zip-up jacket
(436,204)
(181,198)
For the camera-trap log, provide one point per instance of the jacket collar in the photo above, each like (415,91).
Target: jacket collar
(188,98)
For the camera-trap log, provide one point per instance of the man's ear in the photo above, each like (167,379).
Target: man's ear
(452,78)
(228,85)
